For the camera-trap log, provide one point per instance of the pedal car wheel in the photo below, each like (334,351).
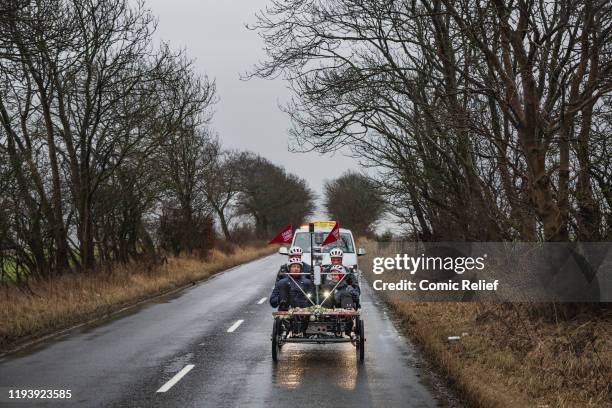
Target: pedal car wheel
(360,344)
(281,327)
(276,333)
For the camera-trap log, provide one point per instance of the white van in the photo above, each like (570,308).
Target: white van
(301,238)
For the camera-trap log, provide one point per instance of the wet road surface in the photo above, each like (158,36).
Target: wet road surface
(209,346)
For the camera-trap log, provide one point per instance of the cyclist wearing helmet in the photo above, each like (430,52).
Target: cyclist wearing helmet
(294,252)
(343,293)
(336,255)
(293,289)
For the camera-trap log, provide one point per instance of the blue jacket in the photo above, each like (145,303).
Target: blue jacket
(296,297)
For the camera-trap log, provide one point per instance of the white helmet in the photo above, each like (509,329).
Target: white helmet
(294,260)
(338,269)
(337,272)
(295,251)
(336,253)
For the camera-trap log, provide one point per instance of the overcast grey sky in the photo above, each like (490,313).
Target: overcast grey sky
(247,116)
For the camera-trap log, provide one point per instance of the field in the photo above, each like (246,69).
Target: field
(511,355)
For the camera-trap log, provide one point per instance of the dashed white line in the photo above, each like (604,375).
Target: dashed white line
(176,378)
(263,299)
(235,326)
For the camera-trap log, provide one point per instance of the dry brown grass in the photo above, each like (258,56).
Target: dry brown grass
(74,298)
(516,355)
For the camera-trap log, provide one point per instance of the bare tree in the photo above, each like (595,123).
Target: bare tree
(270,196)
(478,115)
(221,186)
(89,108)
(354,199)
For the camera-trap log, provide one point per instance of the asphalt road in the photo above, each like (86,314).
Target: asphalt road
(209,346)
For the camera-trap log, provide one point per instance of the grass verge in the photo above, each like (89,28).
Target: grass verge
(74,298)
(515,355)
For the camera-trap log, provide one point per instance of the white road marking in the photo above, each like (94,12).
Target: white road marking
(263,299)
(176,378)
(235,326)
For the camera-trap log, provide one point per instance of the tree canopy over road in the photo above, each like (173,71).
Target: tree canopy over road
(106,153)
(486,120)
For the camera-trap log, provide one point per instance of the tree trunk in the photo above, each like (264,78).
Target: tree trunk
(589,216)
(224,226)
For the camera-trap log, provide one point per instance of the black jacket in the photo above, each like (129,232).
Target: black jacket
(287,287)
(343,289)
(350,278)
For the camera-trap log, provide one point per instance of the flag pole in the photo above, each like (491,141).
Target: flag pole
(311,230)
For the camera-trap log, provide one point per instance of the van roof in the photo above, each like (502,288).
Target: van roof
(326,229)
(320,224)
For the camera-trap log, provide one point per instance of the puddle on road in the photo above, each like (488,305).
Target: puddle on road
(316,366)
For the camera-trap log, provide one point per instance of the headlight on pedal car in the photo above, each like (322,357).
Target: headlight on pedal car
(326,293)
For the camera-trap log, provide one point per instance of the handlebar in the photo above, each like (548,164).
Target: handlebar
(309,273)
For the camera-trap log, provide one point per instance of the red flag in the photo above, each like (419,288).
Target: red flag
(333,236)
(284,237)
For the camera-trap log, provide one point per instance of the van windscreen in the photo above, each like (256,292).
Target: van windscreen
(345,243)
